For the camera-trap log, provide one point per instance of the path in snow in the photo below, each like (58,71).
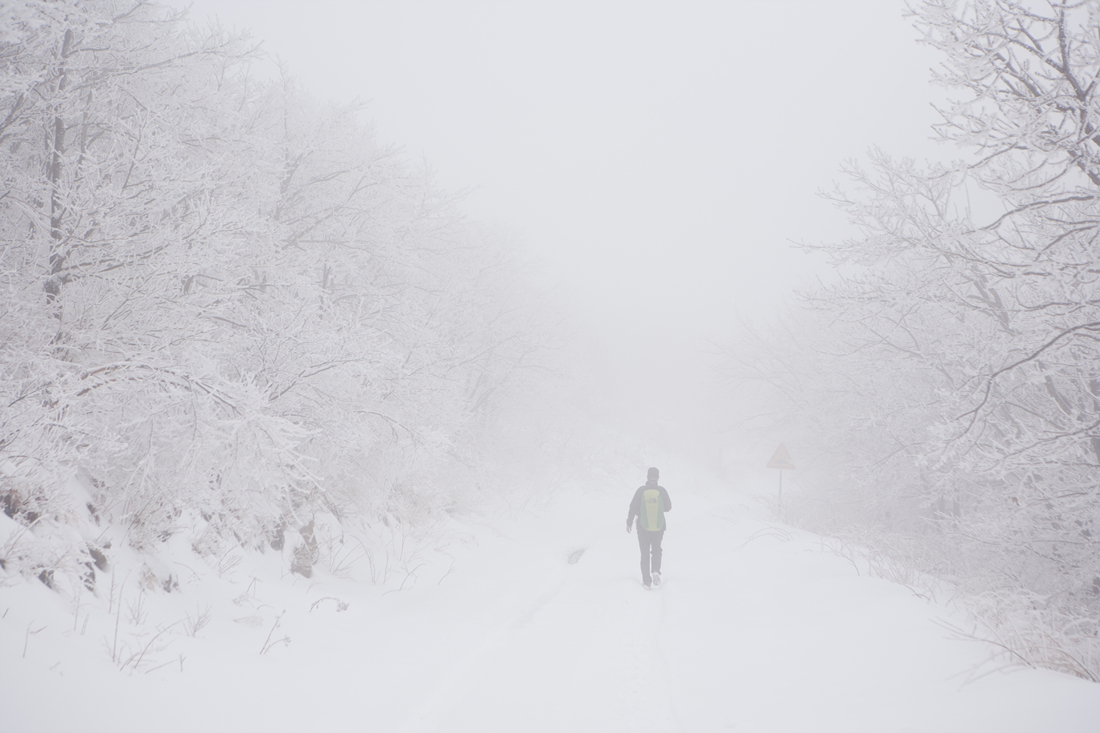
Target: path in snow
(756,629)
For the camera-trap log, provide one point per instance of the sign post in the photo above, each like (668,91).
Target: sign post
(781,459)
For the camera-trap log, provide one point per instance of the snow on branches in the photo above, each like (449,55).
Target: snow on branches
(224,299)
(958,366)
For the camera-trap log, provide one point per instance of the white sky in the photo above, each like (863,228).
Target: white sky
(658,157)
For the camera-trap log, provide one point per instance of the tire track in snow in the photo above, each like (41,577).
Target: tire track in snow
(472,668)
(583,655)
(666,671)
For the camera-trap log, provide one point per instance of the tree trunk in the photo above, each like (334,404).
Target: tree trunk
(57,208)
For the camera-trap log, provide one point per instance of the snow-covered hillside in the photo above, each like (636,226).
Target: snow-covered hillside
(757,628)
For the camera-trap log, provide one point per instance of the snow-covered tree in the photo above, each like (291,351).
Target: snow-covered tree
(225,305)
(958,364)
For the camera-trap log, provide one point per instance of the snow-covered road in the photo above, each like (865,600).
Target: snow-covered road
(757,628)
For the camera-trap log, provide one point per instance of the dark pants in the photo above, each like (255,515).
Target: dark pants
(646,541)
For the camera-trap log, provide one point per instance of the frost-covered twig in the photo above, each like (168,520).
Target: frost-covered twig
(779,533)
(268,643)
(192,625)
(27,637)
(340,605)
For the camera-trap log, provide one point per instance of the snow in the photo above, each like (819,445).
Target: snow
(758,627)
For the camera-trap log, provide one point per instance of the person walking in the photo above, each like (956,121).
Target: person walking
(649,505)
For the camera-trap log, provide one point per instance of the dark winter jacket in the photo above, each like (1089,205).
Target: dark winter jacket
(663,504)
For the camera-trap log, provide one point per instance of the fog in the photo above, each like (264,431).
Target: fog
(656,161)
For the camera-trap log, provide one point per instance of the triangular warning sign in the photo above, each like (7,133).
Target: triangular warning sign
(781,459)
